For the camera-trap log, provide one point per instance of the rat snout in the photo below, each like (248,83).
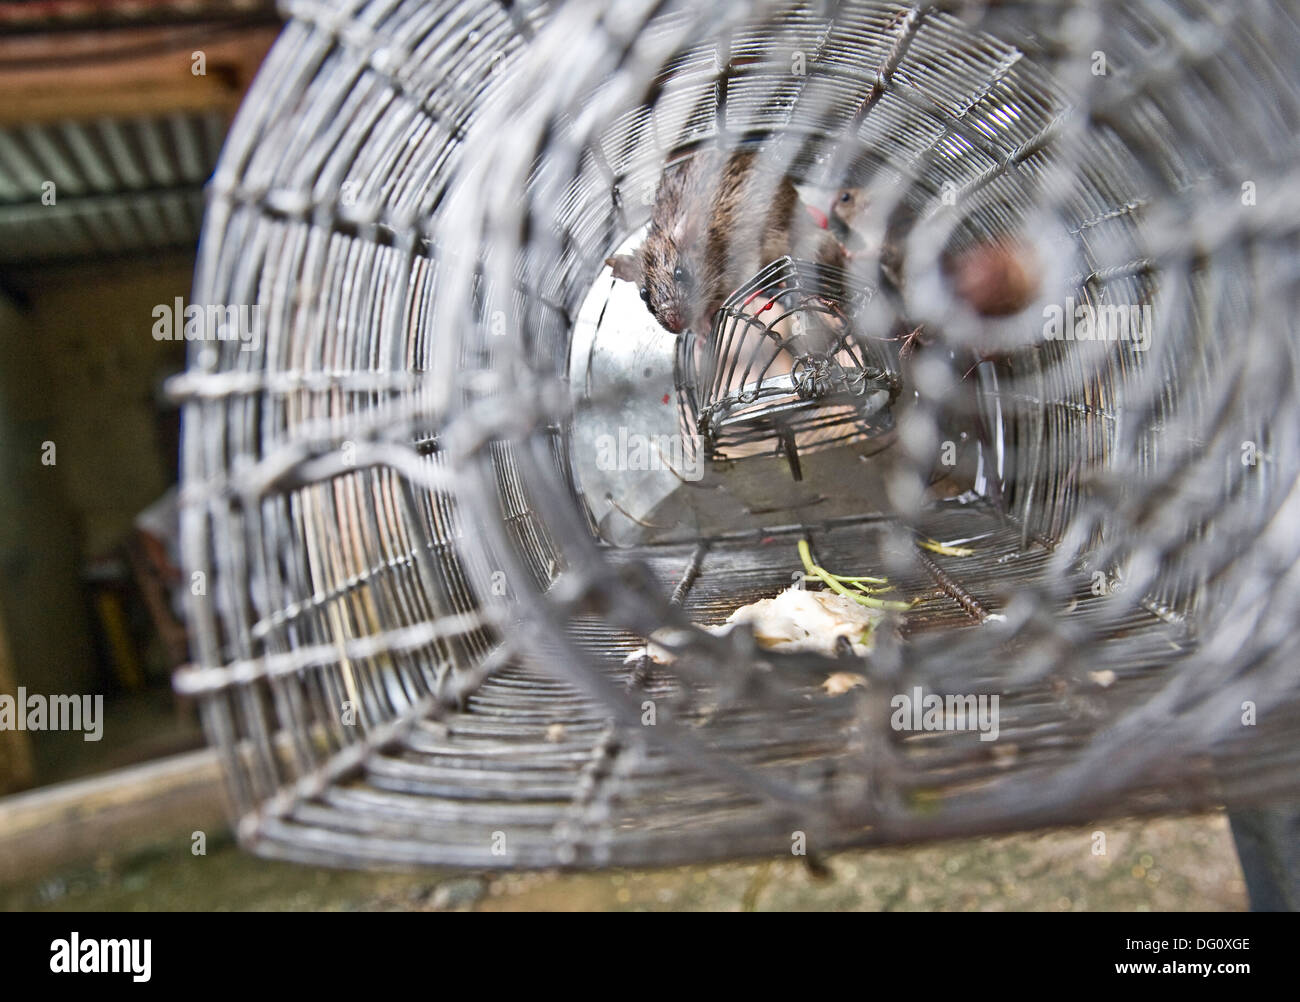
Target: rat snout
(672,320)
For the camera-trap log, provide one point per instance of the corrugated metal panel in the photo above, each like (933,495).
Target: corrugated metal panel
(118,185)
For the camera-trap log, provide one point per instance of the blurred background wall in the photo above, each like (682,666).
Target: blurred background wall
(112,115)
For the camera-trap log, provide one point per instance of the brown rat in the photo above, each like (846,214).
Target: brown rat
(718,219)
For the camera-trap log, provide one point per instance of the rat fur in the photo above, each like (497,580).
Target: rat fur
(718,219)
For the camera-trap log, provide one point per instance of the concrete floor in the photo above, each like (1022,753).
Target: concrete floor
(1166,864)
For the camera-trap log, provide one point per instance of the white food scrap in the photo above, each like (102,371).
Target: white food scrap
(795,620)
(841,682)
(803,620)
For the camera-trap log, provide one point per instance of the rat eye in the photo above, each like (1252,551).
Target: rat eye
(645,295)
(845,196)
(681,276)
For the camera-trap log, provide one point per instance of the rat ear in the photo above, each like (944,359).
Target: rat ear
(626,266)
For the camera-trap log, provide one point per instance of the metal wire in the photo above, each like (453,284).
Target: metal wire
(784,362)
(409,619)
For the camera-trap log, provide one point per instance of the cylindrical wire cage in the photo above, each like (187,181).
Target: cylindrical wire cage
(412,601)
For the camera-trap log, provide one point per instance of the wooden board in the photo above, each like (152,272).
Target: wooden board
(141,806)
(145,71)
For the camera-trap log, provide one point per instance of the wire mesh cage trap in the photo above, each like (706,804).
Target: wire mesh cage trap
(417,585)
(784,363)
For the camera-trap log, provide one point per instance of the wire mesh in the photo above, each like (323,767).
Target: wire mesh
(785,364)
(409,613)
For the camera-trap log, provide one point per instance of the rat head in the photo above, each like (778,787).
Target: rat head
(667,281)
(681,269)
(849,206)
(678,283)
